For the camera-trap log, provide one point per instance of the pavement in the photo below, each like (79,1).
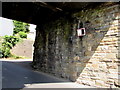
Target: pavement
(18,74)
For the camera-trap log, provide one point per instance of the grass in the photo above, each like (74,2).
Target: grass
(17,57)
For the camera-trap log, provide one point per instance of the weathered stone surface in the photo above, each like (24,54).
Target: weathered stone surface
(117,82)
(95,78)
(112,76)
(113,71)
(112,66)
(99,83)
(96,66)
(92,59)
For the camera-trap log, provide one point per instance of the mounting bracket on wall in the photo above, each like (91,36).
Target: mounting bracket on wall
(80,29)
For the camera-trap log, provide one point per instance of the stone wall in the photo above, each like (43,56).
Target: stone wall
(92,59)
(24,48)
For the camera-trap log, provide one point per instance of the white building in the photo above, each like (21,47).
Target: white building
(32,32)
(6,27)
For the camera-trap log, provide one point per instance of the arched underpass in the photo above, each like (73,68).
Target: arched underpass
(92,59)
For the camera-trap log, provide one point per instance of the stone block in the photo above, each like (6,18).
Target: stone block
(114,50)
(112,66)
(115,39)
(91,74)
(79,69)
(95,66)
(112,76)
(72,78)
(117,82)
(111,55)
(105,60)
(90,36)
(85,60)
(99,83)
(88,82)
(110,82)
(63,75)
(118,55)
(84,43)
(87,53)
(89,65)
(85,77)
(84,72)
(95,78)
(76,58)
(103,48)
(78,81)
(113,71)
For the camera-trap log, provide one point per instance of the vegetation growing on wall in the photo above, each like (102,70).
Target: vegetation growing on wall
(20,31)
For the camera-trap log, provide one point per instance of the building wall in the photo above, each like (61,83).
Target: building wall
(92,59)
(6,27)
(24,48)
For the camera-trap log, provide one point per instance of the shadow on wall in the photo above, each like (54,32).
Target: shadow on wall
(101,60)
(89,59)
(99,64)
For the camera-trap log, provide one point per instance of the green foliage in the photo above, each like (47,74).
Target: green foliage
(11,40)
(16,57)
(20,26)
(23,34)
(7,44)
(20,31)
(5,51)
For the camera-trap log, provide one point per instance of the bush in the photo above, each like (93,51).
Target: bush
(5,52)
(7,44)
(20,27)
(23,34)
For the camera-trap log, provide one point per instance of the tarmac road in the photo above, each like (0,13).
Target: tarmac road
(17,76)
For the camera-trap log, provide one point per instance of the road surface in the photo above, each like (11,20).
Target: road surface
(18,76)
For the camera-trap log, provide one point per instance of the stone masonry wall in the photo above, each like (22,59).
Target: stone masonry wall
(24,48)
(92,59)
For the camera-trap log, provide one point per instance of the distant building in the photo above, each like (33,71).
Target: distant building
(6,27)
(31,35)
